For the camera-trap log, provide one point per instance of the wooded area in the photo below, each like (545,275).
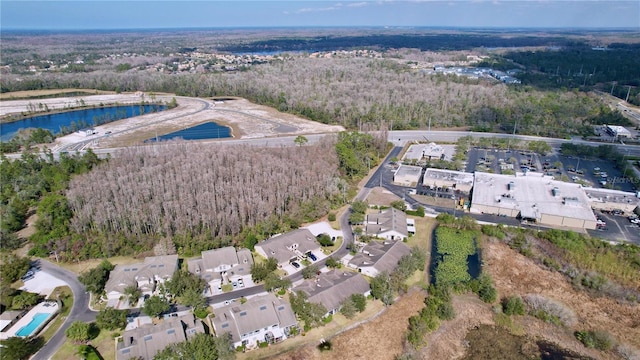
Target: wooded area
(202,196)
(350,92)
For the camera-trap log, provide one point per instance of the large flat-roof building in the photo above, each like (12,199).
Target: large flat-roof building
(618,131)
(439,178)
(534,197)
(608,199)
(407,175)
(418,152)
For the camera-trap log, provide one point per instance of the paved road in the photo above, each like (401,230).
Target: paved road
(79,311)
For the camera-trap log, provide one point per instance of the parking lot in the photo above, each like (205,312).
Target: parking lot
(590,172)
(618,228)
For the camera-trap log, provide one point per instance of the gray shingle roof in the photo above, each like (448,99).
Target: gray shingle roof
(387,220)
(257,313)
(383,256)
(152,267)
(283,247)
(331,288)
(147,340)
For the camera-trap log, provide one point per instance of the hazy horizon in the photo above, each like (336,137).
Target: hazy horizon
(465,14)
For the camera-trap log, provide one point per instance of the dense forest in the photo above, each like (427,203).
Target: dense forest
(353,91)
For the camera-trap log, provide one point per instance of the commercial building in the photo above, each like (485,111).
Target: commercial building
(609,200)
(617,131)
(448,179)
(533,197)
(427,152)
(407,175)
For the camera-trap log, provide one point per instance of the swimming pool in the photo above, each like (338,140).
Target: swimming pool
(33,325)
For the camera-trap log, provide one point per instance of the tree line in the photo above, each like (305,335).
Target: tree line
(356,91)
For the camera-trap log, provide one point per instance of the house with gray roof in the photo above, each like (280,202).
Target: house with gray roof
(222,266)
(332,288)
(390,224)
(146,341)
(288,247)
(379,256)
(145,276)
(260,319)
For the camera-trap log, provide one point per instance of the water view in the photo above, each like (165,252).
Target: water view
(208,130)
(70,121)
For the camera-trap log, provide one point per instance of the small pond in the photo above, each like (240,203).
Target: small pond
(70,121)
(208,130)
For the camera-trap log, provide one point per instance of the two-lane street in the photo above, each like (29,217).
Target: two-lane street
(80,310)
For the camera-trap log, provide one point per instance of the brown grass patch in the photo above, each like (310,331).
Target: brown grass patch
(515,274)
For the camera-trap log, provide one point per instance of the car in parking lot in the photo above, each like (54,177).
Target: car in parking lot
(295,264)
(311,256)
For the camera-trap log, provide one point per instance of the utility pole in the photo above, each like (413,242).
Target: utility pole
(628,91)
(612,87)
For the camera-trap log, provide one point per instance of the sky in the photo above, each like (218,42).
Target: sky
(153,14)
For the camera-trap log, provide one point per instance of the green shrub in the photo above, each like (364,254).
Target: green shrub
(513,305)
(331,216)
(263,344)
(595,339)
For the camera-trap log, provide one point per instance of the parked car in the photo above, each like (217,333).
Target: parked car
(295,265)
(28,276)
(311,256)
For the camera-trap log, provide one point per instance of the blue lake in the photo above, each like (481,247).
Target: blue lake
(208,130)
(70,121)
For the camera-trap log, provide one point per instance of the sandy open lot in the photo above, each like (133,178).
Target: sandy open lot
(247,120)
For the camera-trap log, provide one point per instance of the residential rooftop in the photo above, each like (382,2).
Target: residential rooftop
(332,288)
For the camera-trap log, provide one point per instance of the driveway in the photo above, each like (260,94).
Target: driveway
(42,283)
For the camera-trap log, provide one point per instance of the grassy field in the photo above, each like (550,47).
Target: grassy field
(422,239)
(104,343)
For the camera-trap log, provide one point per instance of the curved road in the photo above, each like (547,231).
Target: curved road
(79,311)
